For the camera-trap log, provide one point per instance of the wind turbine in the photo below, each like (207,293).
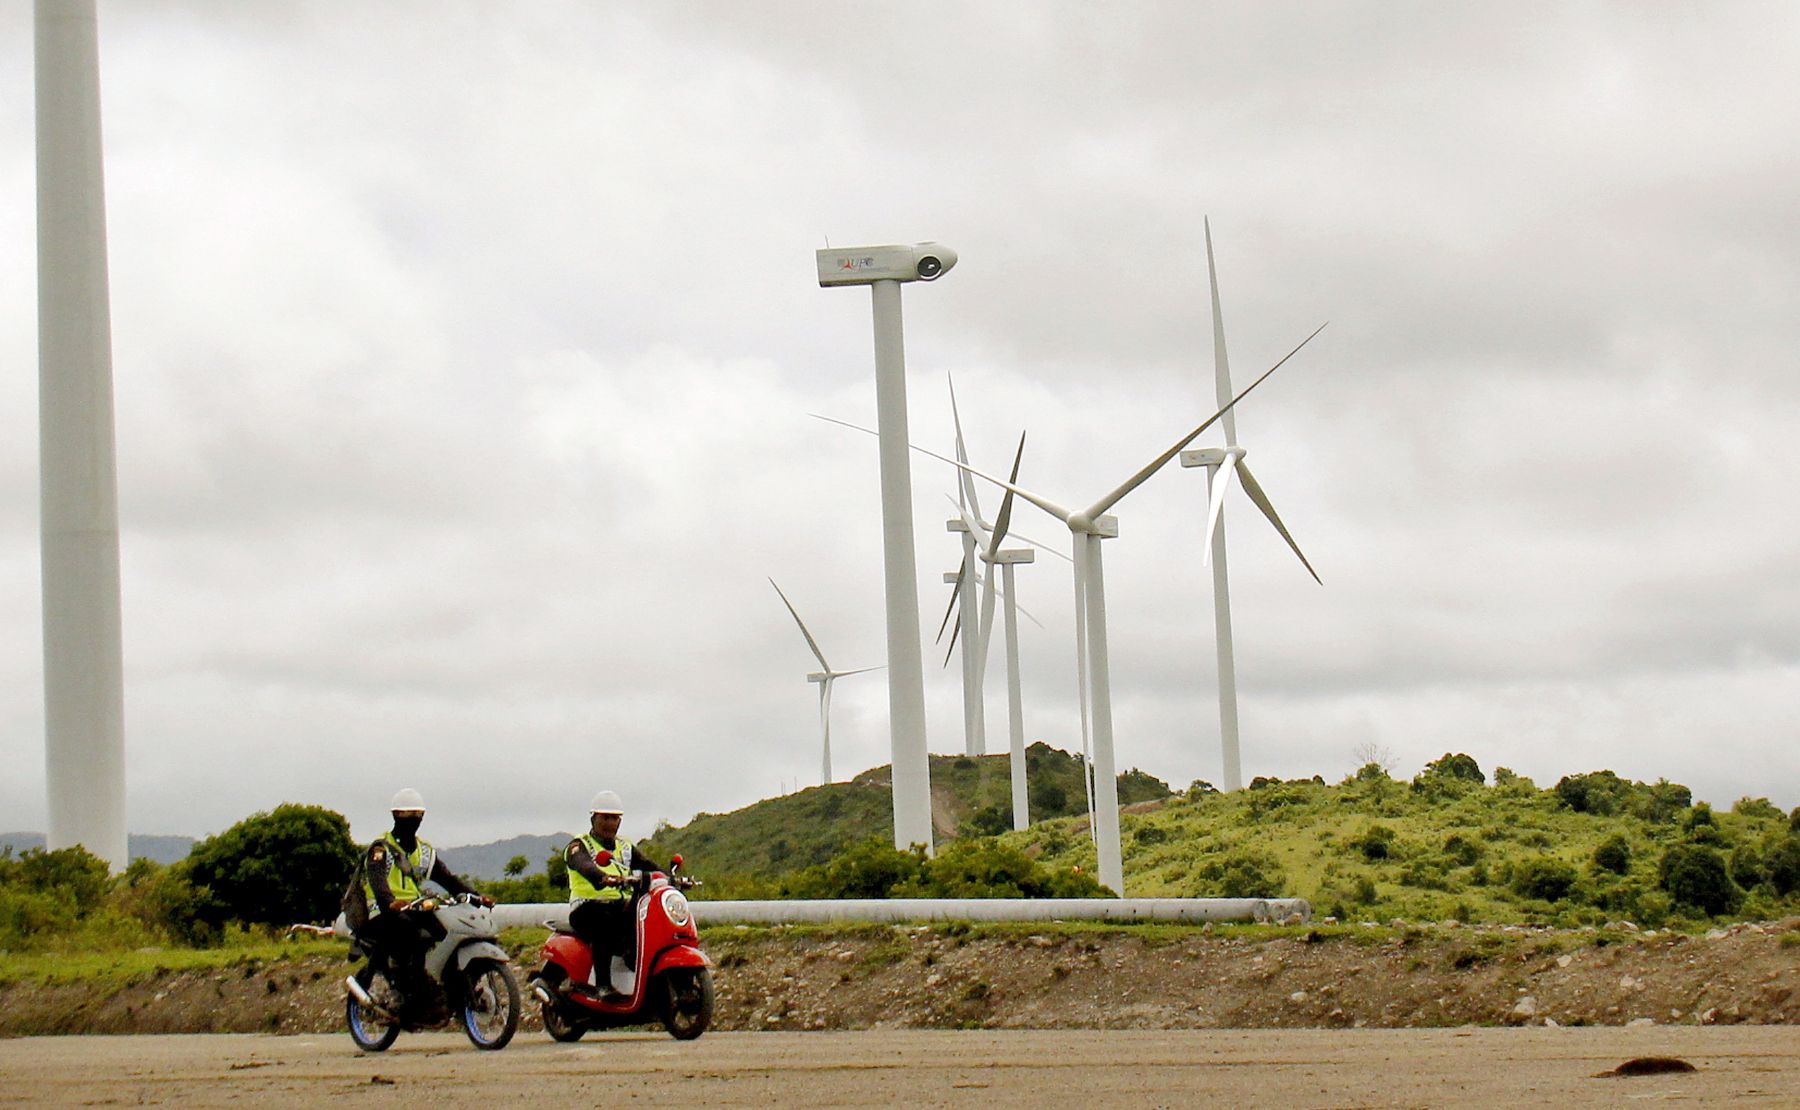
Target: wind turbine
(1087,527)
(824,678)
(1221,465)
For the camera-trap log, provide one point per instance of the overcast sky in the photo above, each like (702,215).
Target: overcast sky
(463,354)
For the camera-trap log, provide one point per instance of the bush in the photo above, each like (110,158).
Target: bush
(285,866)
(1696,876)
(1461,850)
(1376,843)
(1458,766)
(1756,807)
(1783,866)
(1747,867)
(1241,875)
(1601,793)
(1614,855)
(1543,877)
(871,869)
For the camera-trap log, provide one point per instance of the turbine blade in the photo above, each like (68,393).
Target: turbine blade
(1221,363)
(1099,507)
(951,608)
(965,487)
(810,642)
(860,670)
(1002,521)
(1255,490)
(1042,546)
(1221,482)
(951,650)
(1039,500)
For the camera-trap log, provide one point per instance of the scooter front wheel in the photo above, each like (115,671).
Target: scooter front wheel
(372,1030)
(685,1001)
(490,1011)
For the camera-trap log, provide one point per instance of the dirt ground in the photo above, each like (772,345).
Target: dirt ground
(950,977)
(1737,1066)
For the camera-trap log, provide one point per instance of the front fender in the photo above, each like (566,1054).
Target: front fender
(480,950)
(680,955)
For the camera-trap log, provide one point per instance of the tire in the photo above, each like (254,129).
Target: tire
(685,1001)
(372,1031)
(490,1010)
(560,1025)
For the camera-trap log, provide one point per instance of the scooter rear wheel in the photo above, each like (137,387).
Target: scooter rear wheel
(685,1001)
(560,1025)
(371,1030)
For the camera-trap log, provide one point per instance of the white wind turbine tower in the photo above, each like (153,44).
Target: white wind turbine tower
(1221,465)
(1087,527)
(824,678)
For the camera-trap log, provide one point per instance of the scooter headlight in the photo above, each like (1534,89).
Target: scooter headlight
(676,906)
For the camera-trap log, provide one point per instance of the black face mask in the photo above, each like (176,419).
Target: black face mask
(406,831)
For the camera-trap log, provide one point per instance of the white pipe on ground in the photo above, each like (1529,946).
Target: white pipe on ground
(894,910)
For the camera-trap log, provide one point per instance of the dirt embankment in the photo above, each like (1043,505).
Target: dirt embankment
(958,977)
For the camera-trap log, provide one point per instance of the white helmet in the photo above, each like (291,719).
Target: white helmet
(606,802)
(408,799)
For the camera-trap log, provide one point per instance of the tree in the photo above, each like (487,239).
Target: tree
(287,865)
(1458,766)
(1695,875)
(1543,877)
(1614,855)
(516,866)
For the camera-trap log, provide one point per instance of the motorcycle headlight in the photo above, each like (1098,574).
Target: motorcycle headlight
(675,905)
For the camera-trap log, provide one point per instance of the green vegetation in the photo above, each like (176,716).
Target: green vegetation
(971,797)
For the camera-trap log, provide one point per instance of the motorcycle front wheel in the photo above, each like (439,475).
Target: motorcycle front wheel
(686,1001)
(372,1030)
(490,1011)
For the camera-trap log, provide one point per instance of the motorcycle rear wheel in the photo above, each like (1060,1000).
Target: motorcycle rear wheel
(685,1001)
(371,1030)
(490,1010)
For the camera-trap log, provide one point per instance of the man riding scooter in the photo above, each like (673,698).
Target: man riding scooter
(600,911)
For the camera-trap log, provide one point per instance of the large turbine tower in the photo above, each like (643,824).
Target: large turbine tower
(84,703)
(1221,465)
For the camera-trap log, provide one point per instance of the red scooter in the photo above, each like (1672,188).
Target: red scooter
(672,981)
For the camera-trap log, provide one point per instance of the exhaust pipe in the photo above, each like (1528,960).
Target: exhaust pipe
(541,992)
(362,996)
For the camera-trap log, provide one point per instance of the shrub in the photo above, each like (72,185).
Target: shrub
(1783,866)
(990,820)
(1600,792)
(1696,876)
(1458,766)
(1241,875)
(1543,877)
(1747,867)
(1614,855)
(1376,843)
(1463,851)
(868,870)
(1756,807)
(288,865)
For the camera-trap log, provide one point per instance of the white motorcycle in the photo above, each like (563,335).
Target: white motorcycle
(471,980)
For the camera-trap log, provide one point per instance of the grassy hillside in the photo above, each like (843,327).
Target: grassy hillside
(969,797)
(1450,846)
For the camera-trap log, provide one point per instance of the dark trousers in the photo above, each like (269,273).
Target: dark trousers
(401,939)
(609,928)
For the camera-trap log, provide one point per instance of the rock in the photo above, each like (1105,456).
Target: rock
(1525,1007)
(1564,960)
(1630,984)
(1551,1023)
(1709,1015)
(1717,934)
(1293,919)
(1297,996)
(1634,1022)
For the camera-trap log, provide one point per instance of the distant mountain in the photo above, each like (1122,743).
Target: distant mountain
(160,849)
(488,861)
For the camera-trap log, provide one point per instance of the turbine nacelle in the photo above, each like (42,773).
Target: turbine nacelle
(1106,525)
(1211,456)
(867,265)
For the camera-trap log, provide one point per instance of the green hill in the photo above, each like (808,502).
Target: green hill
(970,796)
(1450,845)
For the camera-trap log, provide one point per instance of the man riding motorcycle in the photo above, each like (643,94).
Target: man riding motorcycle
(600,896)
(396,865)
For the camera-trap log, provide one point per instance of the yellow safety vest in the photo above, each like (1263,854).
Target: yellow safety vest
(401,885)
(581,889)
